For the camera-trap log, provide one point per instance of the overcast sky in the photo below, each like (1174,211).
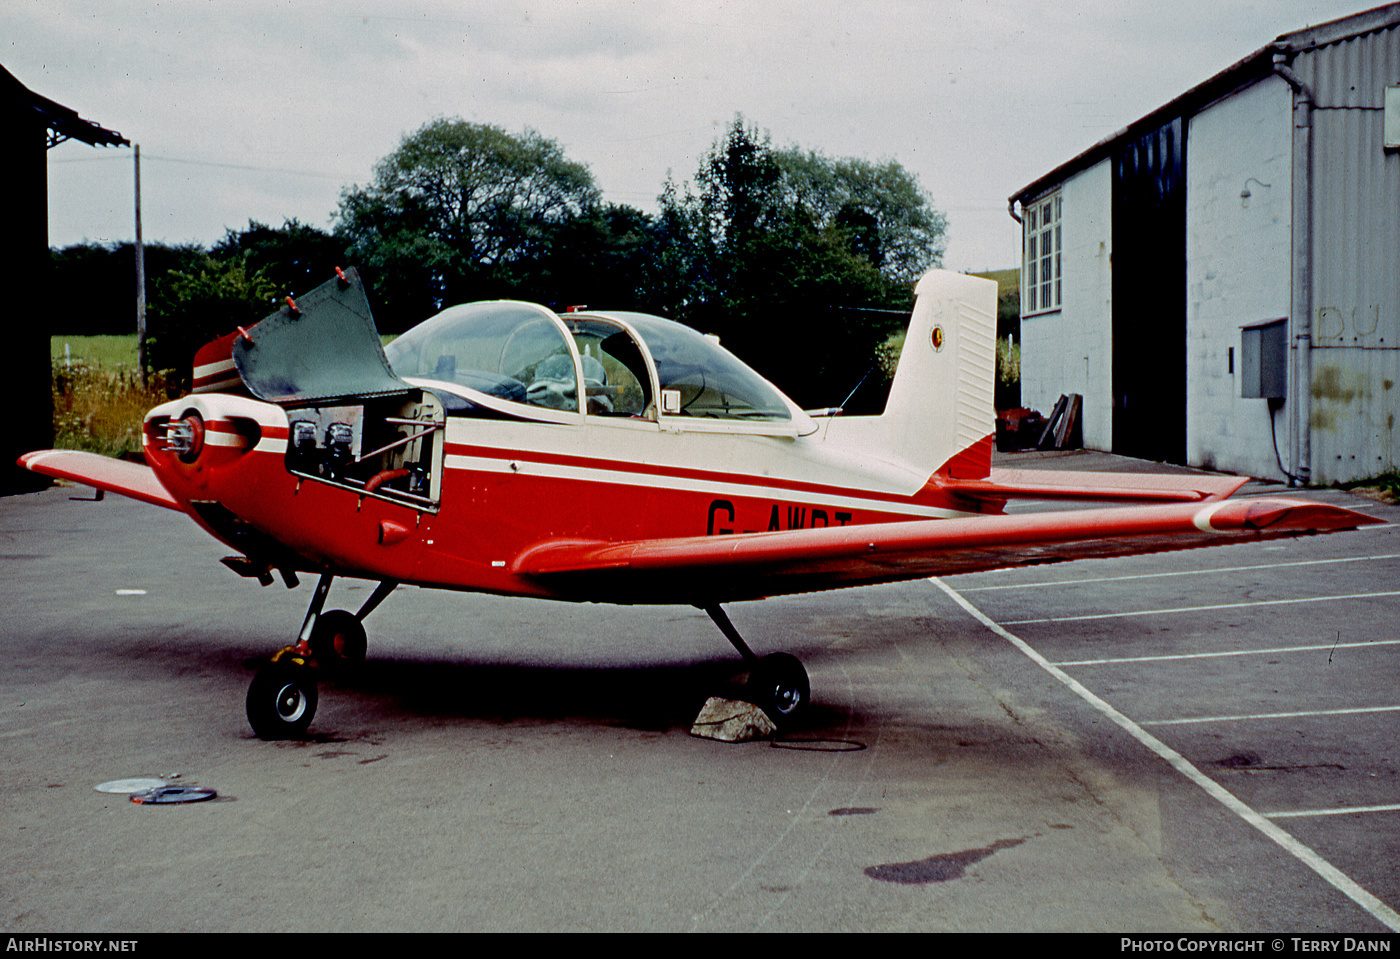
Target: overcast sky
(266,109)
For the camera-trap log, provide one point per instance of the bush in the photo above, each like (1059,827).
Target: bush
(101,410)
(201,305)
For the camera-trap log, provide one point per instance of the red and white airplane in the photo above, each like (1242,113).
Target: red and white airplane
(613,457)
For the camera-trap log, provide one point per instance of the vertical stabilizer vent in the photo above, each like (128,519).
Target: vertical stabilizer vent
(940,411)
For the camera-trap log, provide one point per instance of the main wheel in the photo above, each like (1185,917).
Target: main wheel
(282,700)
(778,685)
(338,641)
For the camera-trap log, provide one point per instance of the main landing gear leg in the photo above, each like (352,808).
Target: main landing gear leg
(283,695)
(777,684)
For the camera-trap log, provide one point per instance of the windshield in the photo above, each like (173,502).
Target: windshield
(513,351)
(520,352)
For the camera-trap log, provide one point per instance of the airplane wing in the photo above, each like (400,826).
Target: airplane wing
(136,480)
(704,569)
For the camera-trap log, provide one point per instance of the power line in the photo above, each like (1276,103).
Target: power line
(254,168)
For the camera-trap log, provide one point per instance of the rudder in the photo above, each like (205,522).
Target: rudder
(940,414)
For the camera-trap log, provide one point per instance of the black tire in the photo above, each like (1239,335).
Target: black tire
(282,701)
(338,642)
(778,685)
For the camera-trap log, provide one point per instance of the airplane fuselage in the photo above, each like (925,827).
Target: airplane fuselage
(509,485)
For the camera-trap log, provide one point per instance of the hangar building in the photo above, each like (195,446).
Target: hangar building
(1220,280)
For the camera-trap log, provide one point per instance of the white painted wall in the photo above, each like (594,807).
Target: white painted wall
(1238,275)
(1237,270)
(1070,350)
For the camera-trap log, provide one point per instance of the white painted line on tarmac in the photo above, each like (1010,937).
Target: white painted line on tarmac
(1183,572)
(1340,811)
(1229,652)
(1203,609)
(1339,880)
(1291,715)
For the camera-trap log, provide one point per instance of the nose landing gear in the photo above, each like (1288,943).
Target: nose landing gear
(282,697)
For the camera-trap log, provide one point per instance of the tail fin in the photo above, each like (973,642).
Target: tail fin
(939,416)
(214,371)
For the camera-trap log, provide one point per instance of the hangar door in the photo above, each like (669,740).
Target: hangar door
(1149,295)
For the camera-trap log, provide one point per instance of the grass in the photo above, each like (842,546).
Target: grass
(1384,487)
(99,403)
(98,400)
(106,351)
(1008,281)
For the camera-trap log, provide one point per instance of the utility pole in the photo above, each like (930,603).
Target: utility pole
(140,278)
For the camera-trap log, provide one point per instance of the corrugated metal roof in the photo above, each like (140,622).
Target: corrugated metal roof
(1249,70)
(64,122)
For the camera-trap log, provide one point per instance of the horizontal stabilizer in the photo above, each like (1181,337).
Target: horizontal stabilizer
(136,480)
(1005,484)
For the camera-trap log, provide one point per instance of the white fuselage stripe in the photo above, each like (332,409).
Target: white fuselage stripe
(651,480)
(209,369)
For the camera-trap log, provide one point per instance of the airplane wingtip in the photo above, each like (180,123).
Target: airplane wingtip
(1319,517)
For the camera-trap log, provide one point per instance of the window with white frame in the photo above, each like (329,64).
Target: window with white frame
(1041,268)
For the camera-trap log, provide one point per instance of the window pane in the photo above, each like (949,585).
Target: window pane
(512,351)
(1042,264)
(615,377)
(712,382)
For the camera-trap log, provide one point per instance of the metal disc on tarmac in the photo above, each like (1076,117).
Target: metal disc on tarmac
(173,794)
(130,785)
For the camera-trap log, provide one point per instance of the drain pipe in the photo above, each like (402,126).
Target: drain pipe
(1300,423)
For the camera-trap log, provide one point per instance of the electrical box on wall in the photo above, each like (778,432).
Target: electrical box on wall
(1392,118)
(1264,361)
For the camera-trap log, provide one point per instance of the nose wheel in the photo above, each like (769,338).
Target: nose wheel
(282,698)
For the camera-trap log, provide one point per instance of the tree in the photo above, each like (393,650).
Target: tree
(739,183)
(461,211)
(95,284)
(295,258)
(801,264)
(598,259)
(879,207)
(201,304)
